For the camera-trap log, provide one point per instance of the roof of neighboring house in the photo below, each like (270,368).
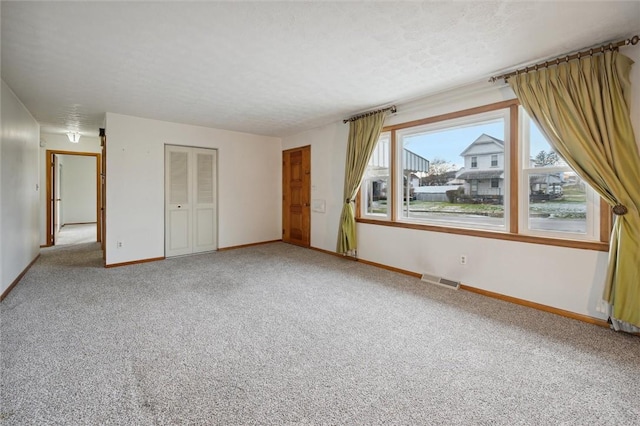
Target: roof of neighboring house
(484,144)
(481,174)
(412,161)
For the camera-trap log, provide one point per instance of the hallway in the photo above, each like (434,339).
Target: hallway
(77,234)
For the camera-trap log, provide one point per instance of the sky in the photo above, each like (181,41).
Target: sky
(449,143)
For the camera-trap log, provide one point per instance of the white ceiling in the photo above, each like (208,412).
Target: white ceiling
(275,68)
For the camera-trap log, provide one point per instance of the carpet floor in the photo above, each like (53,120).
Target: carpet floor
(277,334)
(77,234)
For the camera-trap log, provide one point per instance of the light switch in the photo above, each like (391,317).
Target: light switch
(318,206)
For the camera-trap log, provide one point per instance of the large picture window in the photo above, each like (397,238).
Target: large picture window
(448,175)
(486,171)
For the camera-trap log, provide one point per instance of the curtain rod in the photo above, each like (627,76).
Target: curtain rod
(392,108)
(589,52)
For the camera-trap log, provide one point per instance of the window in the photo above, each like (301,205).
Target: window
(376,182)
(447,167)
(555,201)
(458,173)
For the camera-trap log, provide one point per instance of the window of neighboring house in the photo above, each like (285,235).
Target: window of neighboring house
(455,181)
(457,173)
(556,202)
(376,182)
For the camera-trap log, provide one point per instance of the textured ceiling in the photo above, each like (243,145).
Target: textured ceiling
(275,68)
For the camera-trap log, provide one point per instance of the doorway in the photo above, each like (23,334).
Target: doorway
(296,196)
(58,194)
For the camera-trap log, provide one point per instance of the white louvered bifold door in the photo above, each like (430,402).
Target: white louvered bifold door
(204,214)
(190,193)
(178,214)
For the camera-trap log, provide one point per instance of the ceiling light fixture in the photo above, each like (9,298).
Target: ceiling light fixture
(74,137)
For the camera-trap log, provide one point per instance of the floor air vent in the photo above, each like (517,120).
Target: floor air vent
(444,282)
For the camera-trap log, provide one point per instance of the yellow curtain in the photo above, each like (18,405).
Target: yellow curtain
(363,137)
(582,107)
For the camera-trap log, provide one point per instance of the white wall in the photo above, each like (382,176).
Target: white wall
(328,148)
(79,191)
(565,278)
(18,188)
(58,142)
(249,185)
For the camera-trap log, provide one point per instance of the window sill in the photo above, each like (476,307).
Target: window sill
(559,242)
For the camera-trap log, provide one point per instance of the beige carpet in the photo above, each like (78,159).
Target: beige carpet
(278,334)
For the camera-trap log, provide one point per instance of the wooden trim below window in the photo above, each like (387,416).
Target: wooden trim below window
(577,244)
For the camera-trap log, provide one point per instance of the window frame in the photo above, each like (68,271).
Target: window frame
(512,160)
(593,201)
(362,199)
(460,121)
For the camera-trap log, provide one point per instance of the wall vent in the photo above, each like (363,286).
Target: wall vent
(444,282)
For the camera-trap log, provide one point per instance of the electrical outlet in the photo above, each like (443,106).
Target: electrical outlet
(119,244)
(463,259)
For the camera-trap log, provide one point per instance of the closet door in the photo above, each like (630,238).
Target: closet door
(204,204)
(178,226)
(191,200)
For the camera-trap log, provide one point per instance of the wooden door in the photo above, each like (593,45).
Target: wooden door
(296,196)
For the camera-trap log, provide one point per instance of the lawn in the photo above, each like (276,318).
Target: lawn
(556,209)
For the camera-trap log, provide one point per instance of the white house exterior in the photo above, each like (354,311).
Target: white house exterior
(483,171)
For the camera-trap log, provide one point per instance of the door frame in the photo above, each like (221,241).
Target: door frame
(50,192)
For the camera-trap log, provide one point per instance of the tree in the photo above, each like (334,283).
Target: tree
(440,172)
(544,158)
